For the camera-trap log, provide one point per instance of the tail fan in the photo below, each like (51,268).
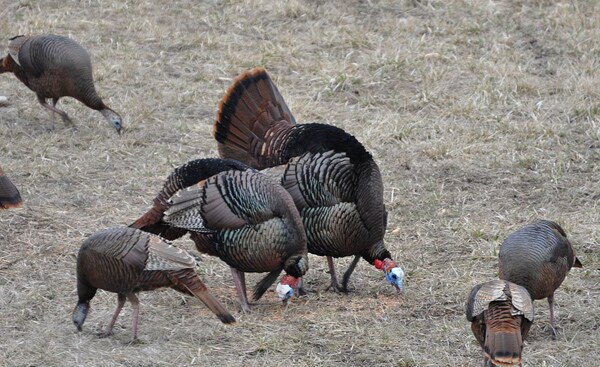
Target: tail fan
(251,110)
(503,341)
(503,348)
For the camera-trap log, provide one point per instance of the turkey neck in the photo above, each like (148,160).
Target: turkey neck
(85,292)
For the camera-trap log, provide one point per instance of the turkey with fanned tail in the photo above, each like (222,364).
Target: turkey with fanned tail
(334,181)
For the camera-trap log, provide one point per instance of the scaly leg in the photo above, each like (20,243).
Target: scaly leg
(239,279)
(551,304)
(135,303)
(300,290)
(349,272)
(62,114)
(335,286)
(109,328)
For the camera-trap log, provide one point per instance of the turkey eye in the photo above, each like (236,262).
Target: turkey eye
(394,276)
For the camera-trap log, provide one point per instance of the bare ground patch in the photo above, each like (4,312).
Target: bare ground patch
(482,115)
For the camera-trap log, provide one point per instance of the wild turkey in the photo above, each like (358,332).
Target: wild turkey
(54,67)
(237,214)
(501,314)
(127,261)
(334,181)
(9,195)
(538,257)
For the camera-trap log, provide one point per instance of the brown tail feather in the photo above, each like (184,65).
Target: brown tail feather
(9,195)
(152,216)
(503,347)
(248,113)
(191,283)
(151,222)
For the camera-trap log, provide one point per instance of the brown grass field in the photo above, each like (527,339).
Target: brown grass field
(483,116)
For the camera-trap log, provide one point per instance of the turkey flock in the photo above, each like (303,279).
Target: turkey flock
(279,191)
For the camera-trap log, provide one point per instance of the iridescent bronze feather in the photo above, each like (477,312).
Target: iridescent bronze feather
(335,183)
(127,261)
(501,314)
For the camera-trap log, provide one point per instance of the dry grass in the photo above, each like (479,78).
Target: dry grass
(483,116)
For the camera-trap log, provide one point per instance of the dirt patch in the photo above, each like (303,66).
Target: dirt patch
(483,116)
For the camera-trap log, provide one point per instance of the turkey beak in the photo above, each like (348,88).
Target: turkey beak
(284,292)
(396,278)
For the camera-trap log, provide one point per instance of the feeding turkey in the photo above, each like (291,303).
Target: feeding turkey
(334,181)
(538,257)
(127,261)
(54,67)
(237,214)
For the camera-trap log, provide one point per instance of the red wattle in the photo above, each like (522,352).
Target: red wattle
(378,264)
(290,280)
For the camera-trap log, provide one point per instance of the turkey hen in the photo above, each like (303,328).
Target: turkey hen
(538,257)
(9,195)
(127,261)
(54,67)
(237,214)
(334,181)
(501,314)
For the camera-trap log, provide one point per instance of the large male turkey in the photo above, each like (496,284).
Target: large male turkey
(501,314)
(538,257)
(9,195)
(54,67)
(127,261)
(237,214)
(334,181)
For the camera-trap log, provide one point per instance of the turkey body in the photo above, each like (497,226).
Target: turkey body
(538,257)
(334,181)
(9,195)
(54,67)
(235,213)
(501,314)
(127,261)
